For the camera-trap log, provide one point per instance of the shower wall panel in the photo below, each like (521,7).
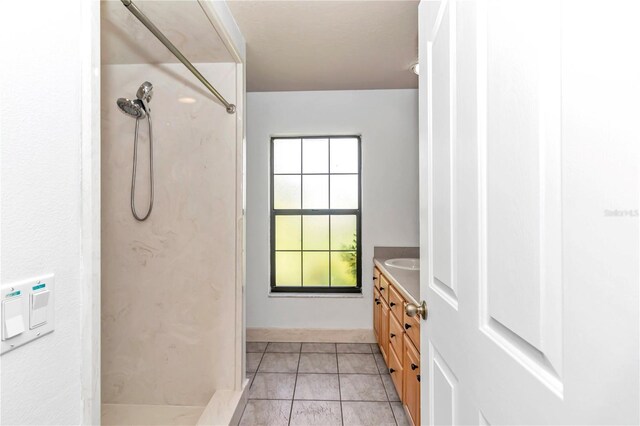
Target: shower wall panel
(168,284)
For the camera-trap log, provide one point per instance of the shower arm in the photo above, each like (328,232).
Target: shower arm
(164,40)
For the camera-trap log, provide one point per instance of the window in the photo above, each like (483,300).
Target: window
(315,214)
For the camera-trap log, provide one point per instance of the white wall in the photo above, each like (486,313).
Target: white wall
(41,212)
(388,123)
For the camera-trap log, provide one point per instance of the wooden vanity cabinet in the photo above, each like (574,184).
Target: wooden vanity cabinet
(398,336)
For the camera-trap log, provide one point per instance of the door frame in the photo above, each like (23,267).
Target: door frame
(91,211)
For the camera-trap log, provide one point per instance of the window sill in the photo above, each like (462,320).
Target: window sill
(295,295)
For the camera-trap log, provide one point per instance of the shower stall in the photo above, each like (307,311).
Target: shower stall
(172,328)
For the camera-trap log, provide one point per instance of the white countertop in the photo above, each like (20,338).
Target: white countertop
(406,281)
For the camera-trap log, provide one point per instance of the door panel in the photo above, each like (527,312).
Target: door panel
(442,83)
(520,212)
(525,143)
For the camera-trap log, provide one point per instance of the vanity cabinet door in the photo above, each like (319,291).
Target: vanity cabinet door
(384,288)
(396,371)
(377,313)
(384,330)
(396,335)
(376,278)
(411,380)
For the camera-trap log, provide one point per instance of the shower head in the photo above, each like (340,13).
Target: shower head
(145,92)
(133,108)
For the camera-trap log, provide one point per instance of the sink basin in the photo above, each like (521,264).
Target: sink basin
(404,263)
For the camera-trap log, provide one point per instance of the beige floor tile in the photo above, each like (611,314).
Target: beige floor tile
(273,386)
(354,348)
(382,366)
(256,346)
(279,363)
(367,414)
(319,347)
(390,387)
(357,363)
(266,413)
(362,387)
(399,414)
(283,347)
(253,361)
(316,413)
(318,363)
(323,387)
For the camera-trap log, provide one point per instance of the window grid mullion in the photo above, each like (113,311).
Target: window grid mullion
(329,202)
(301,217)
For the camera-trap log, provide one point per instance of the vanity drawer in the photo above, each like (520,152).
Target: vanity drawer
(396,335)
(396,303)
(395,370)
(384,288)
(411,326)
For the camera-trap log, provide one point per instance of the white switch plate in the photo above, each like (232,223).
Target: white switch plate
(35,323)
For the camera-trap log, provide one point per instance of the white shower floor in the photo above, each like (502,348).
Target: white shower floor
(150,415)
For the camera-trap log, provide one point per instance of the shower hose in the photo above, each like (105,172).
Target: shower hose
(135,167)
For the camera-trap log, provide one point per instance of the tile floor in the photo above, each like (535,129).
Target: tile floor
(320,384)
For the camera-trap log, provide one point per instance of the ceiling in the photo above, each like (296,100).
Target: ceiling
(124,40)
(329,45)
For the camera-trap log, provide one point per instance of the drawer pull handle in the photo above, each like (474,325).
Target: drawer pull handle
(392,304)
(376,299)
(418,377)
(381,288)
(391,371)
(407,326)
(375,278)
(392,335)
(377,302)
(413,366)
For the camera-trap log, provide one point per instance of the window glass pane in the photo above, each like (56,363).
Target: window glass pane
(286,192)
(344,155)
(315,156)
(288,232)
(344,192)
(288,268)
(315,269)
(316,232)
(343,232)
(286,156)
(343,269)
(316,192)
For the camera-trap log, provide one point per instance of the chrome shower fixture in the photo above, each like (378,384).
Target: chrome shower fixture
(139,109)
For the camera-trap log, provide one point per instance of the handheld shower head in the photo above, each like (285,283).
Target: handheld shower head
(138,108)
(145,92)
(133,108)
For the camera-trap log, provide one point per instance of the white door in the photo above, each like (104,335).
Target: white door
(529,150)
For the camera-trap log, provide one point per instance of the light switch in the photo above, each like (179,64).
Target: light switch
(27,311)
(12,317)
(39,303)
